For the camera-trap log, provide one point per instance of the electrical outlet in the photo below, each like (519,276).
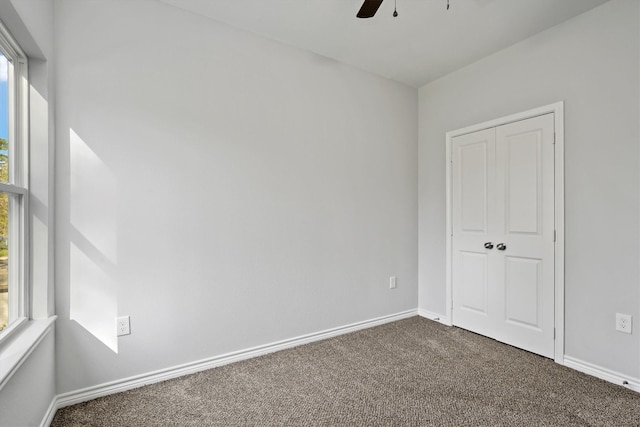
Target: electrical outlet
(623,323)
(393,282)
(123,326)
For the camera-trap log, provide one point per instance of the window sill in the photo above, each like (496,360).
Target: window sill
(17,349)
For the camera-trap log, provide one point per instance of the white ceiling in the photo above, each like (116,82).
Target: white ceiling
(424,42)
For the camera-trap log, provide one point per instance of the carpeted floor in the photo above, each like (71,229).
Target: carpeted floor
(413,372)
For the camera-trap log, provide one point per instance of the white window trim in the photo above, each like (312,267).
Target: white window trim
(20,298)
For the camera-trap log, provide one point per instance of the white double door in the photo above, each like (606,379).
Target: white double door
(503,233)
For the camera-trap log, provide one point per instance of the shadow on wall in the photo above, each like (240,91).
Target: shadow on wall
(39,199)
(93,302)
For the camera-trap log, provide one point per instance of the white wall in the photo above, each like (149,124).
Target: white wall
(592,63)
(25,398)
(223,190)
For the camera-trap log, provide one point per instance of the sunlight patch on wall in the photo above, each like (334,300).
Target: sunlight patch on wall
(93,198)
(93,298)
(93,246)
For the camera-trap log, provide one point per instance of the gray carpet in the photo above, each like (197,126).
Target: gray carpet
(413,372)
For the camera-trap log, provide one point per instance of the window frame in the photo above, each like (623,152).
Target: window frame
(17,188)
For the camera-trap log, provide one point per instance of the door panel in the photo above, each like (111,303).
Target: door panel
(523,181)
(473,186)
(473,168)
(523,284)
(525,177)
(473,283)
(503,193)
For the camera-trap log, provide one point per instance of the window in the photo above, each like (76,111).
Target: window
(13,185)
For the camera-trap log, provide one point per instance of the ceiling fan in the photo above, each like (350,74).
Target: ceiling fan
(370,7)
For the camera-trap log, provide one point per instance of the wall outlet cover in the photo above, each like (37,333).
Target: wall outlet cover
(123,326)
(623,322)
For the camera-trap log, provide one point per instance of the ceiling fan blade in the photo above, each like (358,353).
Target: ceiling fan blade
(369,8)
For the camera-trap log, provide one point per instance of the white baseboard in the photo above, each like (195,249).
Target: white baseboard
(51,412)
(602,373)
(434,316)
(89,393)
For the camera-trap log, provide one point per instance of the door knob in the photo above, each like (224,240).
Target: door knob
(488,245)
(502,246)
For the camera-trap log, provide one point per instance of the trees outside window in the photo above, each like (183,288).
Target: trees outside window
(13,185)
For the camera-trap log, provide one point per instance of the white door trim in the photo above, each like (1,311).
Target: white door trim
(558,110)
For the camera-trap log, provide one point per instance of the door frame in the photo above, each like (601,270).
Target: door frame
(558,111)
